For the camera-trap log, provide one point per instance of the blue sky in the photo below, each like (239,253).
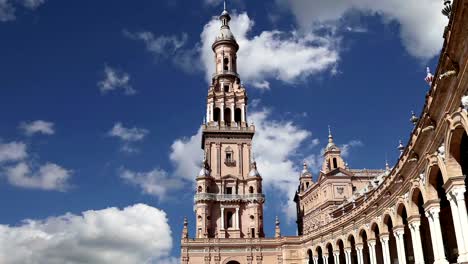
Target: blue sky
(101,101)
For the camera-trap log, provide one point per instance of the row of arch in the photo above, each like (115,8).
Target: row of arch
(429,224)
(228,116)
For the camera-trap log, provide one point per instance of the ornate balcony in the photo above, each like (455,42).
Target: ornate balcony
(257,197)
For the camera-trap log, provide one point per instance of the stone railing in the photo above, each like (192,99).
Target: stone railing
(229,197)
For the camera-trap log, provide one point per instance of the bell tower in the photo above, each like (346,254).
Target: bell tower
(332,156)
(229,199)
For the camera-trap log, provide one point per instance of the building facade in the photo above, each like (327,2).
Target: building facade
(415,212)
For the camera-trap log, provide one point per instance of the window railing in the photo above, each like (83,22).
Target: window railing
(228,197)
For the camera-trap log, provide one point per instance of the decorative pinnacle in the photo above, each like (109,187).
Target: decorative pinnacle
(304,165)
(447,10)
(185,221)
(429,77)
(401,147)
(277,222)
(225,5)
(387,166)
(414,119)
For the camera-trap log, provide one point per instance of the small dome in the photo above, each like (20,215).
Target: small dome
(225,34)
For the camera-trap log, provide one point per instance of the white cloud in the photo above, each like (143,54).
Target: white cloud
(115,79)
(263,85)
(8,8)
(136,234)
(285,56)
(346,148)
(47,177)
(156,182)
(38,126)
(128,134)
(13,151)
(421,22)
(32,4)
(159,46)
(186,155)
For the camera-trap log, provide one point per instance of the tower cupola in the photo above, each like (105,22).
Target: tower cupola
(332,156)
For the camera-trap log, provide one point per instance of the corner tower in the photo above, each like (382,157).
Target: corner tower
(229,199)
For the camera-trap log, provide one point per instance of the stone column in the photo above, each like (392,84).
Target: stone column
(398,233)
(373,257)
(243,113)
(360,253)
(237,218)
(456,197)
(325,258)
(221,114)
(208,115)
(385,248)
(218,150)
(432,214)
(414,223)
(337,257)
(232,113)
(222,218)
(315,260)
(348,255)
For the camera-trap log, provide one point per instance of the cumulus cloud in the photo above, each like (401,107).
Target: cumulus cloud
(114,79)
(8,7)
(13,151)
(47,177)
(285,56)
(345,148)
(155,182)
(421,22)
(136,234)
(37,127)
(186,155)
(128,136)
(161,46)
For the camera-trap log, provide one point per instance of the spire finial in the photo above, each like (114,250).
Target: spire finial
(225,5)
(429,76)
(329,131)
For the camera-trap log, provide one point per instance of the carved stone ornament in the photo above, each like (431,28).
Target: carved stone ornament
(464,102)
(441,151)
(422,178)
(340,190)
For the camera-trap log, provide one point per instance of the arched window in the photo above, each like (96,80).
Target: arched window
(216,114)
(335,164)
(229,219)
(226,64)
(226,88)
(200,189)
(227,116)
(251,189)
(307,185)
(238,115)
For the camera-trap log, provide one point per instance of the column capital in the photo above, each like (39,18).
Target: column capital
(456,193)
(454,182)
(372,242)
(359,246)
(435,203)
(398,233)
(384,236)
(432,210)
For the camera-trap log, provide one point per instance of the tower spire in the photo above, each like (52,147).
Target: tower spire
(225,9)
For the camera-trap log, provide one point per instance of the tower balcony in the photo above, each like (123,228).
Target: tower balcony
(225,73)
(256,197)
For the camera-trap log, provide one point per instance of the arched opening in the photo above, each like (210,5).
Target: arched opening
(229,219)
(352,243)
(391,242)
(233,262)
(216,114)
(407,239)
(418,202)
(446,220)
(331,259)
(226,64)
(200,189)
(227,116)
(464,162)
(311,257)
(365,247)
(378,244)
(335,163)
(319,255)
(238,116)
(251,189)
(342,255)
